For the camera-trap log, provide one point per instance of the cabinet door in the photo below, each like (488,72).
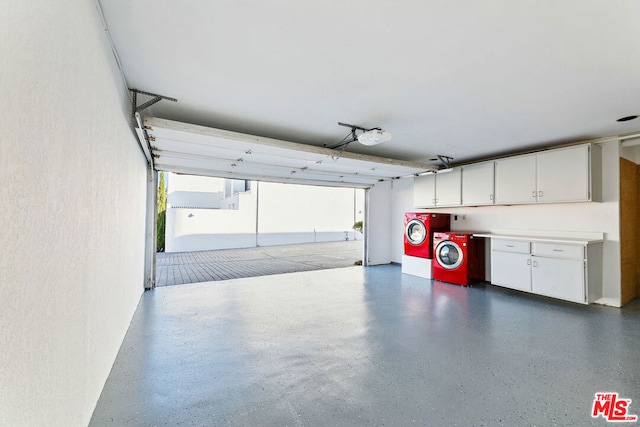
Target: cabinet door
(516,180)
(558,278)
(477,184)
(511,270)
(424,191)
(449,188)
(563,175)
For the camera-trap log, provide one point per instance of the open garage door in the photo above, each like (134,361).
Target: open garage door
(198,150)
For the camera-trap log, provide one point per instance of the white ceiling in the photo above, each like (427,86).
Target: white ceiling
(467,79)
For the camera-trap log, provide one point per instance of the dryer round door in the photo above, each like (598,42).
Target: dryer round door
(449,255)
(415,232)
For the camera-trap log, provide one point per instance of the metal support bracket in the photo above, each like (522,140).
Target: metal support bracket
(135,108)
(446,161)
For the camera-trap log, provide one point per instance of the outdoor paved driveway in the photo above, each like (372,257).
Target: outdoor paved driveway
(192,267)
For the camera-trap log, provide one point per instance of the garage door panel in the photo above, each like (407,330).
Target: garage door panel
(185,148)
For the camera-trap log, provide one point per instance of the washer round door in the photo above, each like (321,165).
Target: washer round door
(449,255)
(415,232)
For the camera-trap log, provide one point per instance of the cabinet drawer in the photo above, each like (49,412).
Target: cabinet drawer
(557,250)
(515,246)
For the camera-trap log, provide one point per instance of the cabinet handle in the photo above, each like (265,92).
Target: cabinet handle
(533,194)
(539,193)
(528,262)
(535,263)
(558,250)
(490,196)
(510,246)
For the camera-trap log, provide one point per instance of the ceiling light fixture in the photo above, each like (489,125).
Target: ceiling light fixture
(374,137)
(371,136)
(447,170)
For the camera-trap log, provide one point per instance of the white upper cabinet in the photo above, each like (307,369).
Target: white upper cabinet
(516,180)
(438,190)
(424,191)
(563,175)
(569,174)
(449,188)
(477,184)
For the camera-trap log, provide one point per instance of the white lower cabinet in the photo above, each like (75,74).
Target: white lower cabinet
(558,270)
(558,278)
(511,270)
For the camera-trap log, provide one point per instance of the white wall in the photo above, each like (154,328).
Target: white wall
(194,199)
(194,191)
(377,225)
(287,214)
(632,153)
(206,229)
(306,214)
(401,202)
(72,213)
(601,217)
(179,182)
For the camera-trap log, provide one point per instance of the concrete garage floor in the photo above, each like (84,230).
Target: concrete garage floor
(367,346)
(204,266)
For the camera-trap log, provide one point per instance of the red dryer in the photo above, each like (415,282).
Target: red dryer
(458,258)
(418,232)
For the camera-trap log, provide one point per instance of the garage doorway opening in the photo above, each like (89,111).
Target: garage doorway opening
(219,229)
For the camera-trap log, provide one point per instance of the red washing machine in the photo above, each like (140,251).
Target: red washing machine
(418,232)
(458,258)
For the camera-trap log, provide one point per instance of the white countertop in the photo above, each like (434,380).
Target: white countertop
(551,239)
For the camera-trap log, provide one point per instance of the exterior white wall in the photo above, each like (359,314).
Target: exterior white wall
(306,214)
(194,191)
(194,199)
(206,229)
(72,213)
(287,214)
(178,182)
(601,217)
